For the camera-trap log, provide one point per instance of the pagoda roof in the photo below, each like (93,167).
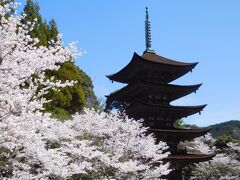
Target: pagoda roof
(152,66)
(178,134)
(140,110)
(152,57)
(189,158)
(140,88)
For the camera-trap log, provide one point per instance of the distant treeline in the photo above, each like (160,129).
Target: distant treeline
(231,128)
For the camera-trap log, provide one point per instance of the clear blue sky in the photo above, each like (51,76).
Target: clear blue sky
(204,31)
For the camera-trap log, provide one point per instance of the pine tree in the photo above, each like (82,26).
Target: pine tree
(40,30)
(53,29)
(69,99)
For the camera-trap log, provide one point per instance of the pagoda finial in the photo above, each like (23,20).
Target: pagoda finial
(148,34)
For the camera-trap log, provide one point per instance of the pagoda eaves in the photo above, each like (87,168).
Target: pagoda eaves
(189,158)
(152,67)
(167,92)
(160,113)
(178,135)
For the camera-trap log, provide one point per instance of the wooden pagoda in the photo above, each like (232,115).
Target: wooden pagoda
(148,95)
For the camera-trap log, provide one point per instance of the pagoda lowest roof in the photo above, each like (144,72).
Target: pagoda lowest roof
(190,158)
(186,131)
(151,63)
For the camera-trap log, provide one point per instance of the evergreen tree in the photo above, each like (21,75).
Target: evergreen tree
(67,100)
(53,29)
(41,30)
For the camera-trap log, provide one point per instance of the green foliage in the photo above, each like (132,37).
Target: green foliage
(192,126)
(52,145)
(40,29)
(179,124)
(53,29)
(221,141)
(104,172)
(69,100)
(231,128)
(11,9)
(5,165)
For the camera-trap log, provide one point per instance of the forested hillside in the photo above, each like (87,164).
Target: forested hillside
(231,128)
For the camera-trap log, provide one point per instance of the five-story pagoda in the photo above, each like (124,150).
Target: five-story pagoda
(148,96)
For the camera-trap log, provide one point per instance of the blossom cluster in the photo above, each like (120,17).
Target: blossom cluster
(225,165)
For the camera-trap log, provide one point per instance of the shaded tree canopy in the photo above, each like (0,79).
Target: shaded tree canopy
(67,100)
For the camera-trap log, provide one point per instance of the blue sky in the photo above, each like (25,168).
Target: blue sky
(204,31)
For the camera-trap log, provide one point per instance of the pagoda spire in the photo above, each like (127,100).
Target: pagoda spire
(148,39)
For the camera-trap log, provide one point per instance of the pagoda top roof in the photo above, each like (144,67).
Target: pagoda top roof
(148,56)
(154,65)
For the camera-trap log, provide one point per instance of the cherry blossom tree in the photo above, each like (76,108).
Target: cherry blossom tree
(35,146)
